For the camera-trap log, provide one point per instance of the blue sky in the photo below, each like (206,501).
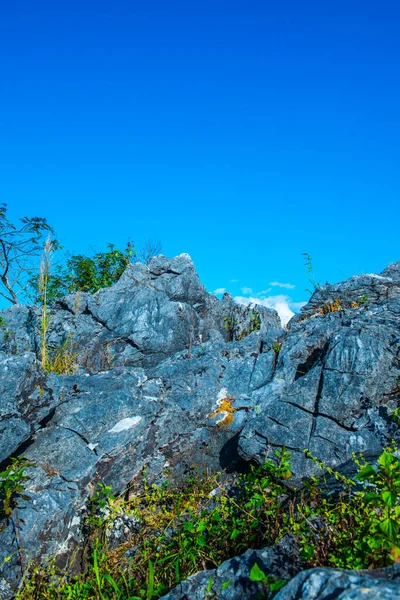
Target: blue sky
(242,133)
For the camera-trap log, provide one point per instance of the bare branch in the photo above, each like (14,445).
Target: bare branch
(19,247)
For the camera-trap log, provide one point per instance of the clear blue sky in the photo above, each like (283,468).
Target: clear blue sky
(243,133)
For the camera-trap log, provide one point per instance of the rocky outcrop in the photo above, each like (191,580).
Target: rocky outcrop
(326,584)
(232,580)
(170,377)
(336,377)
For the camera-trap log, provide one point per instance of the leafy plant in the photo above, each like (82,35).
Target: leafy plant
(359,529)
(238,315)
(204,522)
(87,273)
(270,582)
(230,326)
(277,348)
(12,487)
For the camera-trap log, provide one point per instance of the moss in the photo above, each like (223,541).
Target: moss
(329,307)
(224,411)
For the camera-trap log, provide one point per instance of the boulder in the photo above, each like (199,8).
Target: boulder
(232,580)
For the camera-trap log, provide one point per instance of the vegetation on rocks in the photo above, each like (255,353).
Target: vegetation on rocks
(21,245)
(88,273)
(172,533)
(173,389)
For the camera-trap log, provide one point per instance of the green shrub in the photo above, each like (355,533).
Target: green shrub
(86,273)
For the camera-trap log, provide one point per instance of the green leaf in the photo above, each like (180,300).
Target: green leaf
(224,585)
(256,574)
(202,526)
(386,459)
(235,533)
(111,581)
(371,496)
(150,581)
(389,498)
(277,585)
(390,528)
(366,473)
(209,585)
(200,541)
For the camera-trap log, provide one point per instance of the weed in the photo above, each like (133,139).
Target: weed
(63,360)
(230,326)
(358,529)
(310,271)
(6,332)
(270,582)
(44,275)
(203,523)
(238,316)
(59,360)
(255,323)
(12,481)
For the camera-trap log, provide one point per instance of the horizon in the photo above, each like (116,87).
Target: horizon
(243,135)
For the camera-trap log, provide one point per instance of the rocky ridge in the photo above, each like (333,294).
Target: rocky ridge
(170,377)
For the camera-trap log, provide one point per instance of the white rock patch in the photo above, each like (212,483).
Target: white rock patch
(125,424)
(222,394)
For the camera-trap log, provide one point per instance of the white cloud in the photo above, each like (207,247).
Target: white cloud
(219,291)
(288,286)
(281,303)
(246,290)
(233,281)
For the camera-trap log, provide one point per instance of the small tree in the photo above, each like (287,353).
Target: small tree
(83,273)
(150,249)
(79,272)
(20,248)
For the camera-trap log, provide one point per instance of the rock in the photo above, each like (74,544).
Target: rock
(170,377)
(153,311)
(107,426)
(326,584)
(231,580)
(335,381)
(27,398)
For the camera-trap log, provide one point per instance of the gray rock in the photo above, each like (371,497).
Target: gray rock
(231,580)
(110,424)
(27,397)
(163,382)
(335,380)
(327,584)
